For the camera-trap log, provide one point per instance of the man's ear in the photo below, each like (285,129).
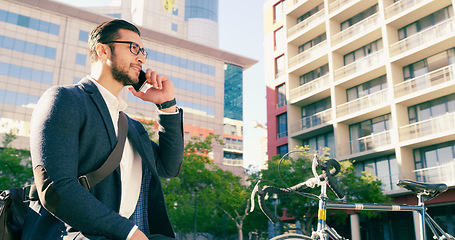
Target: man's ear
(103,51)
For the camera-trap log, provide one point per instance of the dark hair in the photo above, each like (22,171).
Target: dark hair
(105,32)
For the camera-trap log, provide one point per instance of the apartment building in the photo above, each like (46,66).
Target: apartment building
(374,81)
(44,43)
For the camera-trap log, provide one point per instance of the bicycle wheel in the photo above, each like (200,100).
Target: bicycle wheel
(290,236)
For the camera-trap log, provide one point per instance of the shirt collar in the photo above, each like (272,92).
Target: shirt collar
(112,102)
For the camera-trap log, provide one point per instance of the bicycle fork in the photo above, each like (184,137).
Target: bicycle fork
(324,232)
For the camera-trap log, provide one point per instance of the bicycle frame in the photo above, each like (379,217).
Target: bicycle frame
(324,231)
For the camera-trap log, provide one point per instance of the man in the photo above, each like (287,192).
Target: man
(73,131)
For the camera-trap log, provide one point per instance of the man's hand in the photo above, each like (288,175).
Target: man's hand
(138,235)
(161,90)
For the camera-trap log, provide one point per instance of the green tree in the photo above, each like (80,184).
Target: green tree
(15,165)
(204,188)
(358,188)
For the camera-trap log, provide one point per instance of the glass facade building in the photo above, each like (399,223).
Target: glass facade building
(44,43)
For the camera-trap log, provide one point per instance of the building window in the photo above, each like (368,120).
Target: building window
(321,141)
(310,13)
(26,73)
(282,150)
(115,15)
(279,66)
(310,116)
(80,59)
(27,47)
(83,36)
(278,10)
(18,99)
(180,62)
(429,64)
(363,52)
(425,22)
(282,125)
(432,109)
(435,159)
(366,88)
(313,42)
(281,96)
(361,133)
(279,37)
(359,17)
(28,22)
(174,27)
(384,168)
(315,74)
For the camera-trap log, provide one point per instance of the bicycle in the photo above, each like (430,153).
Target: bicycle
(331,167)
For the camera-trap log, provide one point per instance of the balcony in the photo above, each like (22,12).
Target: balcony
(232,162)
(313,52)
(234,146)
(362,103)
(444,173)
(401,6)
(364,144)
(428,127)
(309,87)
(313,121)
(440,30)
(359,28)
(337,4)
(374,59)
(311,21)
(426,81)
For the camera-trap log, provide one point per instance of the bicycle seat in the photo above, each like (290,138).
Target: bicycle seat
(426,190)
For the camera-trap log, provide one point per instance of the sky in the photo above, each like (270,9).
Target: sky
(240,32)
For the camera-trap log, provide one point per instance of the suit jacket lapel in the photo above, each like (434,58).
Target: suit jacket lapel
(98,99)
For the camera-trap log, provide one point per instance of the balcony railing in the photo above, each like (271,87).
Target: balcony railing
(442,29)
(401,6)
(362,103)
(359,28)
(234,146)
(312,121)
(428,127)
(430,79)
(359,65)
(233,162)
(309,87)
(337,4)
(313,20)
(444,173)
(315,51)
(363,144)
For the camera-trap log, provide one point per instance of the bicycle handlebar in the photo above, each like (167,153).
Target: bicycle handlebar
(327,174)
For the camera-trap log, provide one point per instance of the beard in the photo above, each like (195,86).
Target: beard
(121,75)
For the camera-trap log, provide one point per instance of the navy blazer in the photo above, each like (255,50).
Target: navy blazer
(71,135)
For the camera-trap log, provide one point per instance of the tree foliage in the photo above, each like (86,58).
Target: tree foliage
(358,187)
(15,165)
(217,196)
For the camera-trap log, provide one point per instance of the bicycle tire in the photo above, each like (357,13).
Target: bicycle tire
(290,236)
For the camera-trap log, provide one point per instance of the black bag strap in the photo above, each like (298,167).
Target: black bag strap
(91,179)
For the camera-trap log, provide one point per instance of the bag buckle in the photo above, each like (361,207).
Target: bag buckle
(83,180)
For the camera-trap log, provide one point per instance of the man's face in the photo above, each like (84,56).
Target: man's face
(126,65)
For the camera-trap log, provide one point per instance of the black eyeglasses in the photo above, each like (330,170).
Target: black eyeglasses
(134,47)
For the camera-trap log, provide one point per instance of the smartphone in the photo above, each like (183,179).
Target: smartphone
(142,81)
